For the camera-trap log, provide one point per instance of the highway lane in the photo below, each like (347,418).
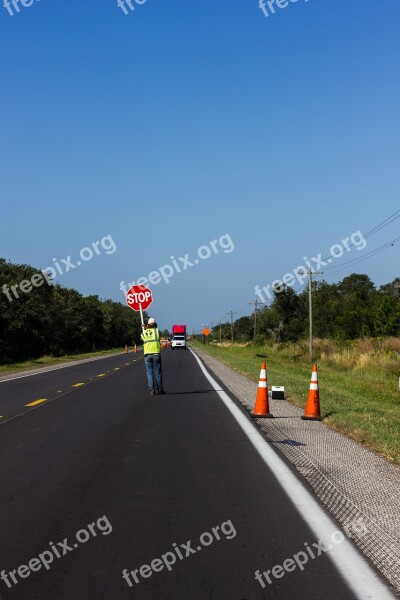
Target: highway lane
(145,473)
(24,392)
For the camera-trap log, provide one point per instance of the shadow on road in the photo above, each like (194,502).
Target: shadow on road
(290,443)
(195,392)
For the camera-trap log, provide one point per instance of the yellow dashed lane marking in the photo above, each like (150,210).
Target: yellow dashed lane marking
(36,402)
(101,375)
(117,368)
(127,363)
(78,384)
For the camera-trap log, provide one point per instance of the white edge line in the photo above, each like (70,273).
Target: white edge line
(49,369)
(355,570)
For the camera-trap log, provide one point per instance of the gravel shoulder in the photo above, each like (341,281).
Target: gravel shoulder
(360,489)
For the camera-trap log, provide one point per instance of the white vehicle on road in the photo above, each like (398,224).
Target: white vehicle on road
(178,341)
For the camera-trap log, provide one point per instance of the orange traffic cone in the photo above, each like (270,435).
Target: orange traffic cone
(261,408)
(312,412)
(135,349)
(126,349)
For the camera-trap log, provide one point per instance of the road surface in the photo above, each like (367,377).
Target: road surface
(110,493)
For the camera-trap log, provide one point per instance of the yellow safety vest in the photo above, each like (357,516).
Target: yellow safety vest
(151,341)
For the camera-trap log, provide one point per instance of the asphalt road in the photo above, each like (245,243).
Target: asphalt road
(111,478)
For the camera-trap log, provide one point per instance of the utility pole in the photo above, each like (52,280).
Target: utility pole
(256,303)
(310,273)
(220,320)
(231,313)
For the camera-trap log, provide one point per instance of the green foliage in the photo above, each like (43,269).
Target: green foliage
(53,320)
(348,310)
(387,317)
(225,331)
(243,329)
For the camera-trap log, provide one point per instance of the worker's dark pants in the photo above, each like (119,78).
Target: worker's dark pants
(153,370)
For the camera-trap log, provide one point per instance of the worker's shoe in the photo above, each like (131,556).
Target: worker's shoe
(161,392)
(152,392)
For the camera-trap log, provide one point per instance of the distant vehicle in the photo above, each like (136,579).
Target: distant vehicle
(181,329)
(178,339)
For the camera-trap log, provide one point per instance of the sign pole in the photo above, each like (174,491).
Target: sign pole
(141,315)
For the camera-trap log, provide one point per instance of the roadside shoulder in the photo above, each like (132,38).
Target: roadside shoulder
(355,485)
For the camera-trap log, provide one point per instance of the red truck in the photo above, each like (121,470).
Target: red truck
(178,339)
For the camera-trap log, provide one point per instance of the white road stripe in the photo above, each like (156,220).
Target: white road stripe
(351,565)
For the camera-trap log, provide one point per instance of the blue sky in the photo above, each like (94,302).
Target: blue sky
(185,121)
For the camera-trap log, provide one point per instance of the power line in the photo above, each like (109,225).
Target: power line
(361,259)
(384,223)
(370,253)
(375,229)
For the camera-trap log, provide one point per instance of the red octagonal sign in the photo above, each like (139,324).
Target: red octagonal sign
(139,297)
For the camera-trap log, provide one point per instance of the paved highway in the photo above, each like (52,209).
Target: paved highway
(110,493)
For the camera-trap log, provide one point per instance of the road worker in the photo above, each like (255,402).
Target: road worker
(152,356)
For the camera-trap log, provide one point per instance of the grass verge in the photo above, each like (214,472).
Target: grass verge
(364,404)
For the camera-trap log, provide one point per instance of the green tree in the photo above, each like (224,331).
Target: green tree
(267,324)
(51,319)
(387,318)
(357,299)
(25,321)
(326,304)
(291,314)
(243,329)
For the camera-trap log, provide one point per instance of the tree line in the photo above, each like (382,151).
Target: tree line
(54,320)
(350,309)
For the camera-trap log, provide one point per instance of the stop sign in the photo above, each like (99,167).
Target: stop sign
(139,297)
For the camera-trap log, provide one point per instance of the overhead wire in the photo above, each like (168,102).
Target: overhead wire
(367,255)
(375,229)
(362,259)
(384,223)
(371,232)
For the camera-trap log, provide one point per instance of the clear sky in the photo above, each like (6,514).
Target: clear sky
(185,121)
